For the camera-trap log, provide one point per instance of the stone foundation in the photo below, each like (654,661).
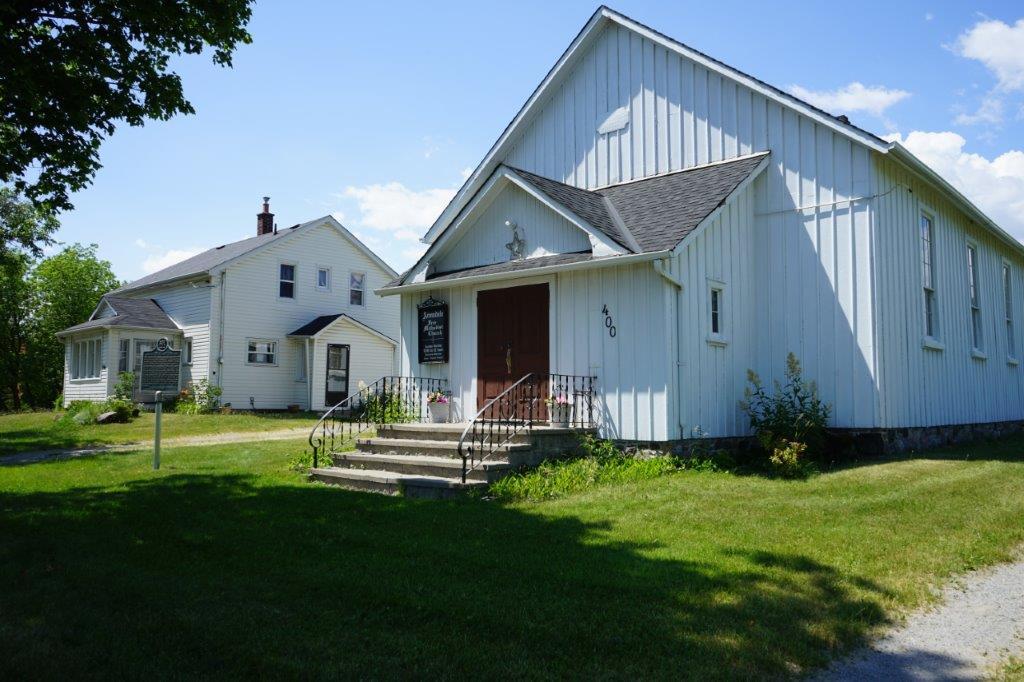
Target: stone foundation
(844,443)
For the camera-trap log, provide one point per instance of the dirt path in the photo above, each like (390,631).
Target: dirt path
(35,456)
(979,623)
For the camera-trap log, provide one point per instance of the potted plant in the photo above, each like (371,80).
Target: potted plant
(439,406)
(559,409)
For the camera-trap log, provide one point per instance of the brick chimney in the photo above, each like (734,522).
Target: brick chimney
(265,220)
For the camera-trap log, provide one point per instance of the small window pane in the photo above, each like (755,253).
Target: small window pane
(122,358)
(716,311)
(323,278)
(286,288)
(356,284)
(261,352)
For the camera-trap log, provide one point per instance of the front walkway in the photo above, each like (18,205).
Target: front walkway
(36,456)
(979,624)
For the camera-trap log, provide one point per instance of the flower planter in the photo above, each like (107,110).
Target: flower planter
(438,412)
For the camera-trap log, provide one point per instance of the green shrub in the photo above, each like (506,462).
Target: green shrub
(385,408)
(200,397)
(789,460)
(82,412)
(122,409)
(58,403)
(124,389)
(791,414)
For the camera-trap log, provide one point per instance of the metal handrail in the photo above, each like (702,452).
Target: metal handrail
(409,391)
(528,386)
(477,418)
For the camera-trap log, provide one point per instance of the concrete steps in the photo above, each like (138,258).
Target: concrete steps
(422,460)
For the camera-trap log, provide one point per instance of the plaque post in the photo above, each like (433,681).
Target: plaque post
(156,431)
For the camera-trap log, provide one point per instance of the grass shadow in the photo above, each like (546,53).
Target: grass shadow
(227,576)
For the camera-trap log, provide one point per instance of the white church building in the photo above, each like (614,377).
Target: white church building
(661,222)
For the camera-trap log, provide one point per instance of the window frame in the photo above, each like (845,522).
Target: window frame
(1006,280)
(186,351)
(720,337)
(273,352)
(974,301)
(86,358)
(930,296)
(316,278)
(361,290)
(281,281)
(124,351)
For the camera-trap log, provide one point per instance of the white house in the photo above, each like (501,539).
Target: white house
(287,317)
(662,222)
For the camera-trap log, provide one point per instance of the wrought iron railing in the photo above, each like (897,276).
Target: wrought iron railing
(387,400)
(558,399)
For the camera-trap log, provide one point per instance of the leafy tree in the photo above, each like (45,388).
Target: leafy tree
(23,226)
(65,288)
(74,68)
(14,312)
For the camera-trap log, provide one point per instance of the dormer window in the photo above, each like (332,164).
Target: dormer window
(286,286)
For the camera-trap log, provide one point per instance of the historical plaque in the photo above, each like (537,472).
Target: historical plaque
(161,369)
(433,331)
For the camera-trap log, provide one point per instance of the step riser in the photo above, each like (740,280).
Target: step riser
(358,484)
(420,434)
(420,469)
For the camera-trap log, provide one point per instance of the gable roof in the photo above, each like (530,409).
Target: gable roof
(658,212)
(210,259)
(602,18)
(318,324)
(646,216)
(138,313)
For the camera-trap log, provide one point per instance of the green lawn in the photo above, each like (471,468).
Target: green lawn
(226,564)
(42,430)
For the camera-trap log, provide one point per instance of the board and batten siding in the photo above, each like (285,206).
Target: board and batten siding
(633,368)
(253,309)
(925,386)
(544,231)
(188,305)
(812,206)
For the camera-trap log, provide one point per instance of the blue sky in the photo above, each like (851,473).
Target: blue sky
(374,111)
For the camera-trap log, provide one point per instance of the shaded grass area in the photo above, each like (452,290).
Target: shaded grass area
(226,564)
(24,431)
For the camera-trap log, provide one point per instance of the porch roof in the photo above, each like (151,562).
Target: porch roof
(134,313)
(318,324)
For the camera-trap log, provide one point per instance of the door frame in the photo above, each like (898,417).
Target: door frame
(553,330)
(327,369)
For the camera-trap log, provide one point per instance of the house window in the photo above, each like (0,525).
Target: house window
(86,359)
(286,287)
(1011,349)
(972,282)
(123,348)
(300,369)
(931,323)
(716,310)
(356,284)
(262,352)
(187,352)
(323,279)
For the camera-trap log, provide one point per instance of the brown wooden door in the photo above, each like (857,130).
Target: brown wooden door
(512,338)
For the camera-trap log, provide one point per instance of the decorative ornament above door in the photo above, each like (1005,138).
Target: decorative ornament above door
(517,246)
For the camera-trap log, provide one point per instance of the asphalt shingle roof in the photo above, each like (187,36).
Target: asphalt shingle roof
(203,262)
(316,325)
(657,212)
(130,312)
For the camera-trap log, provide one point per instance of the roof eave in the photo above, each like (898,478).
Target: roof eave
(607,261)
(923,170)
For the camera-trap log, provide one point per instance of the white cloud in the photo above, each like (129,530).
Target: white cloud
(408,235)
(996,185)
(1000,47)
(393,206)
(160,260)
(928,16)
(412,254)
(990,111)
(873,99)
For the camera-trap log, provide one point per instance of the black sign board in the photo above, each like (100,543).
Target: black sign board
(433,331)
(161,369)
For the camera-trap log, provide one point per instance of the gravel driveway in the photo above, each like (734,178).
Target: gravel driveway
(978,624)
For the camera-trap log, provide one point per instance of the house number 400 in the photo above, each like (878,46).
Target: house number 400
(608,323)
